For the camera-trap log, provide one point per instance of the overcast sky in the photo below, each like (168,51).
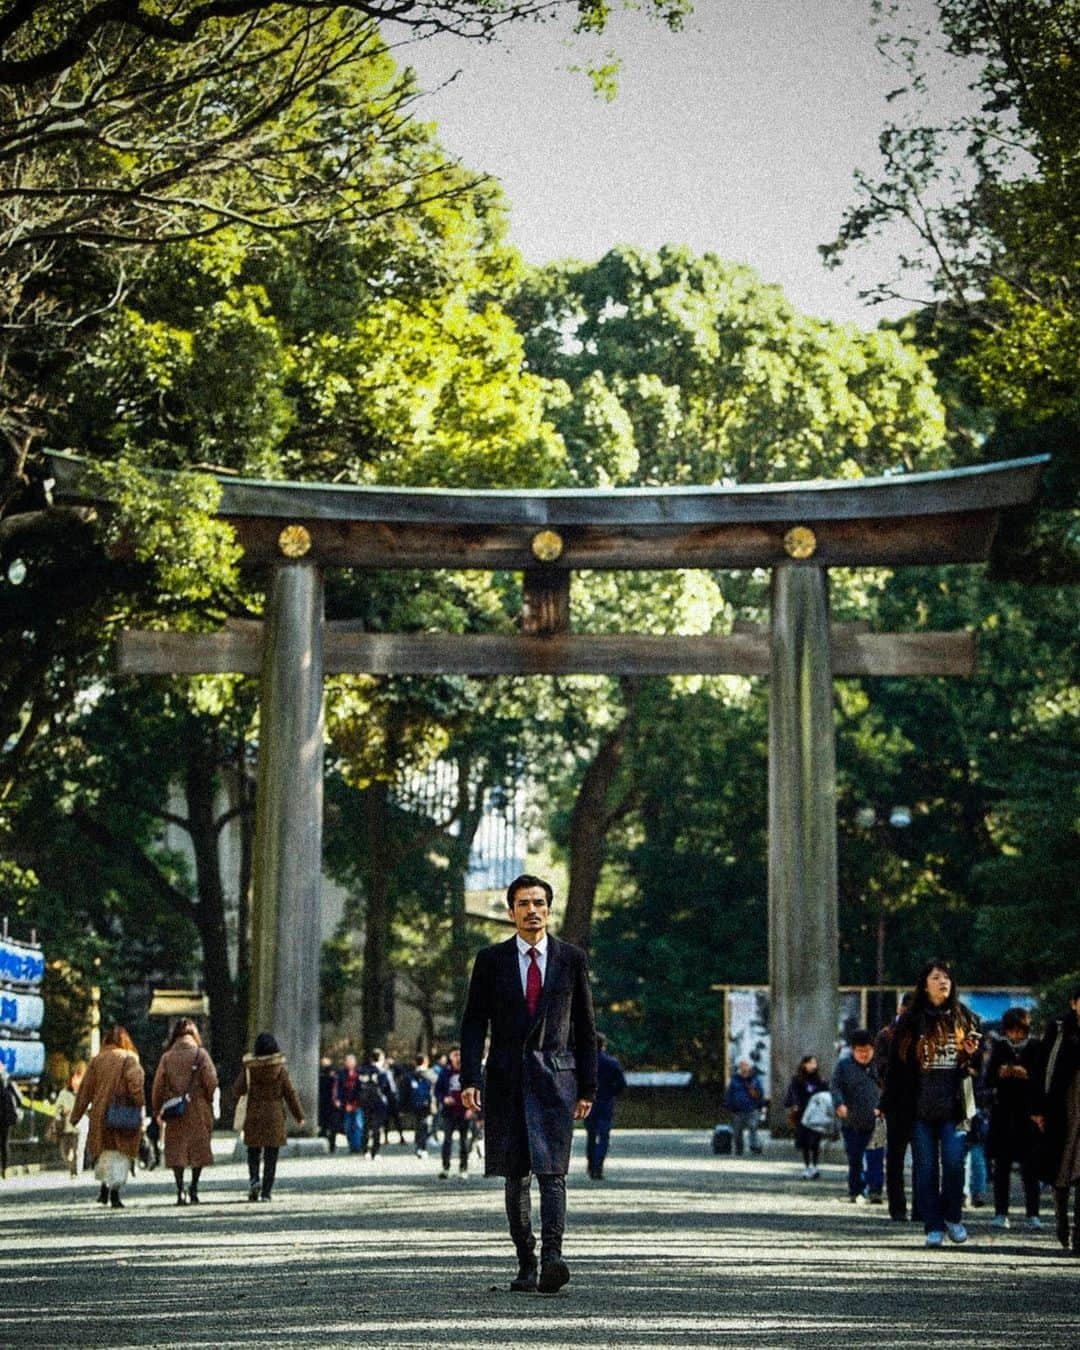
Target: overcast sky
(738,136)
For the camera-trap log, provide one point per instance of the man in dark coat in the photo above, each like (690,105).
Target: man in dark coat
(532,994)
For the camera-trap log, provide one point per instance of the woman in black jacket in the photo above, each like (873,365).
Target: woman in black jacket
(929,1065)
(804,1084)
(1009,1074)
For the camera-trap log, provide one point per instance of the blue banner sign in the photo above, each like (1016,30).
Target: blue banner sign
(21,1012)
(20,963)
(22,1059)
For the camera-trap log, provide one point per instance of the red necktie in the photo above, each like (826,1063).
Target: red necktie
(532,983)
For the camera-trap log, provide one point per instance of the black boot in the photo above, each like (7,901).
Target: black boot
(103,1195)
(554,1273)
(525,1280)
(114,1199)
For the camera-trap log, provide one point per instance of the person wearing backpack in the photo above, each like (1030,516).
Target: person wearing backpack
(420,1085)
(186,1072)
(807,1082)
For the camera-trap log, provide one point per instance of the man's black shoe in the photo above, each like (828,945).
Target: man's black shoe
(525,1280)
(553,1276)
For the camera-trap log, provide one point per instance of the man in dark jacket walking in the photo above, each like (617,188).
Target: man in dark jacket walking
(532,994)
(856,1096)
(610,1081)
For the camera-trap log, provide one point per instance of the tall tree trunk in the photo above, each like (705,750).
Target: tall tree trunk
(245,803)
(592,817)
(226,1025)
(377,974)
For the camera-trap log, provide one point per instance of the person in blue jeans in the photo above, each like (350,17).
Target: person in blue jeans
(347,1104)
(930,1058)
(856,1095)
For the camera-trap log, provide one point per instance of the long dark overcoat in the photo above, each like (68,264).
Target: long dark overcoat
(1057,1061)
(538,1067)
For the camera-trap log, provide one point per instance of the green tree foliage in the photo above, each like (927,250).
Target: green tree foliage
(686,369)
(371,348)
(989,205)
(682,906)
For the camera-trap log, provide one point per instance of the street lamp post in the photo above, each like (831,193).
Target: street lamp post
(898,819)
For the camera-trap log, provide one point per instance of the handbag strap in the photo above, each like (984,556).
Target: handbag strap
(194,1067)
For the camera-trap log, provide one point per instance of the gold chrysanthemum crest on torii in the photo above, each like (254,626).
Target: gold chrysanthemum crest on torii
(294,541)
(800,542)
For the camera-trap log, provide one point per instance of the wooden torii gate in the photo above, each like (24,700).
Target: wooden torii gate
(798,530)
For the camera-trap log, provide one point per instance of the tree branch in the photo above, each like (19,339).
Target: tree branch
(134,858)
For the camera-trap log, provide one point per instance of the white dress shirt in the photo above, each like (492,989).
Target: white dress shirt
(525,961)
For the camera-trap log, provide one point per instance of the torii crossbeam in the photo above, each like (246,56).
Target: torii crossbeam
(798,530)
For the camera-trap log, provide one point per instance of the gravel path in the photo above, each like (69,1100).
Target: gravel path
(677,1248)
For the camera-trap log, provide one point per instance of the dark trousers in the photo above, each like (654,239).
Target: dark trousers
(421,1137)
(1061,1215)
(897,1139)
(552,1215)
(369,1141)
(864,1163)
(597,1138)
(268,1157)
(1003,1164)
(460,1126)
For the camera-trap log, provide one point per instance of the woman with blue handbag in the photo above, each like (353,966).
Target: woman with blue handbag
(182,1098)
(112,1092)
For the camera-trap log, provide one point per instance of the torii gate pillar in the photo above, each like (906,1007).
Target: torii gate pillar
(286,913)
(803,929)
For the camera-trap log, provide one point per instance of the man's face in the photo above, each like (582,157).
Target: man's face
(862,1054)
(350,1061)
(745,1068)
(1016,1034)
(530,913)
(455,1060)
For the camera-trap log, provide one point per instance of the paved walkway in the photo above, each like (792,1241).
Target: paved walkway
(677,1248)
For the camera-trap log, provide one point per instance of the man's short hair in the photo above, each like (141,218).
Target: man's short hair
(522,883)
(860,1037)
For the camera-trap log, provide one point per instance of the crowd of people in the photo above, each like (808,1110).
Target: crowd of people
(971,1110)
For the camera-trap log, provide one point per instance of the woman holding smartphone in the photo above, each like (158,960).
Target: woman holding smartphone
(929,1083)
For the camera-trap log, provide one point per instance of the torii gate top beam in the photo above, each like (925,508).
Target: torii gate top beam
(924,518)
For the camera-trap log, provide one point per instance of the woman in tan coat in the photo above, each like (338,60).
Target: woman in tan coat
(185,1069)
(265,1082)
(114,1071)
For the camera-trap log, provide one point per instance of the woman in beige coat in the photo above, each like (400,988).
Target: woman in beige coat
(185,1069)
(266,1083)
(114,1071)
